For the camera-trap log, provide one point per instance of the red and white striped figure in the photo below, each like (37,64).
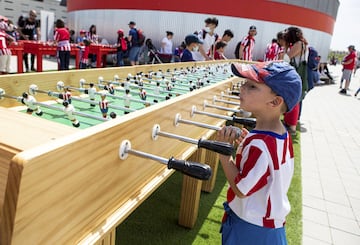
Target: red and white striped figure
(262,158)
(104,105)
(66,95)
(248,44)
(5,52)
(62,38)
(272,51)
(142,93)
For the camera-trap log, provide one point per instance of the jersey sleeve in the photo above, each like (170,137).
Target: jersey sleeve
(254,169)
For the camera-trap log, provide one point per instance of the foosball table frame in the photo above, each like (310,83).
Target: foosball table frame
(63,185)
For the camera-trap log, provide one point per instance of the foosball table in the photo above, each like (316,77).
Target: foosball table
(72,176)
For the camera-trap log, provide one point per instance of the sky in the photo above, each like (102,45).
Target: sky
(346,30)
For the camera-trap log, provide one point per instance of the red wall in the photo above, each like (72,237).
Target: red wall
(253,9)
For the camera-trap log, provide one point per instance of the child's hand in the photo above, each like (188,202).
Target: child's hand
(231,134)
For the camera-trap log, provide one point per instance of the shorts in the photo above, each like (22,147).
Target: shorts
(134,53)
(5,63)
(346,75)
(104,110)
(237,231)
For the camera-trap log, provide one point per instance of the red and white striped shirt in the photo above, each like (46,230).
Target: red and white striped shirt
(248,43)
(4,50)
(271,52)
(266,166)
(66,96)
(62,37)
(104,104)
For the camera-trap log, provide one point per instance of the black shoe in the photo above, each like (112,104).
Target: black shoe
(343,91)
(33,69)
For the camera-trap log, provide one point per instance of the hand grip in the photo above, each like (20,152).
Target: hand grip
(250,122)
(193,169)
(223,148)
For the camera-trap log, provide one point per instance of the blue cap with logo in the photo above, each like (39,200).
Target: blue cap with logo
(280,76)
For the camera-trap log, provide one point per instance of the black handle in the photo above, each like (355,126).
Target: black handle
(250,122)
(223,148)
(193,169)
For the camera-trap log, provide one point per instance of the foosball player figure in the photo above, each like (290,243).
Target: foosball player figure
(142,93)
(169,87)
(173,78)
(110,88)
(104,105)
(91,91)
(157,89)
(66,95)
(127,100)
(29,101)
(69,110)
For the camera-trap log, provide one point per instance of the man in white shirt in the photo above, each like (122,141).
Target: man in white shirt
(208,37)
(167,47)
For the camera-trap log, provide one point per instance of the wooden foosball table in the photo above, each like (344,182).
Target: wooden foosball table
(65,185)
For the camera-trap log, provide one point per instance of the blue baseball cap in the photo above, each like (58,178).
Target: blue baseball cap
(280,76)
(192,38)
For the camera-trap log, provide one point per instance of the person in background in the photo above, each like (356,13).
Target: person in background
(192,45)
(281,42)
(62,41)
(72,36)
(94,39)
(245,47)
(178,52)
(208,38)
(5,52)
(348,63)
(296,47)
(122,48)
(166,50)
(226,38)
(29,29)
(135,44)
(272,50)
(219,51)
(80,39)
(84,54)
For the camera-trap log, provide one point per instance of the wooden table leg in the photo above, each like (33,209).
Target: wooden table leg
(212,159)
(190,195)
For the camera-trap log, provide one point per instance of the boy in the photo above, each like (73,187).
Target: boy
(219,51)
(260,176)
(192,44)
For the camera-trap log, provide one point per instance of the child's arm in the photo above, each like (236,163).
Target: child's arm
(229,134)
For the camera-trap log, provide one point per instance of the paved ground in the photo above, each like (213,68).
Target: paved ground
(330,153)
(330,147)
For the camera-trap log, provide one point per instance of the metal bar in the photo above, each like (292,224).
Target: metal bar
(175,136)
(148,155)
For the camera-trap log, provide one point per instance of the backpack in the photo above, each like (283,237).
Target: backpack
(124,45)
(313,60)
(140,38)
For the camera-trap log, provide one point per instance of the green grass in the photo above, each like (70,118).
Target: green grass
(155,221)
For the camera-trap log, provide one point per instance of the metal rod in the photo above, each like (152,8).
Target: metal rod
(110,106)
(175,136)
(213,115)
(229,96)
(148,155)
(206,104)
(75,112)
(215,99)
(199,124)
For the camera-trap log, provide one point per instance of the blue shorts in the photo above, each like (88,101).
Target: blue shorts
(104,110)
(237,231)
(134,53)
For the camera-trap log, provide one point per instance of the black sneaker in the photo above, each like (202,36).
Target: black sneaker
(343,91)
